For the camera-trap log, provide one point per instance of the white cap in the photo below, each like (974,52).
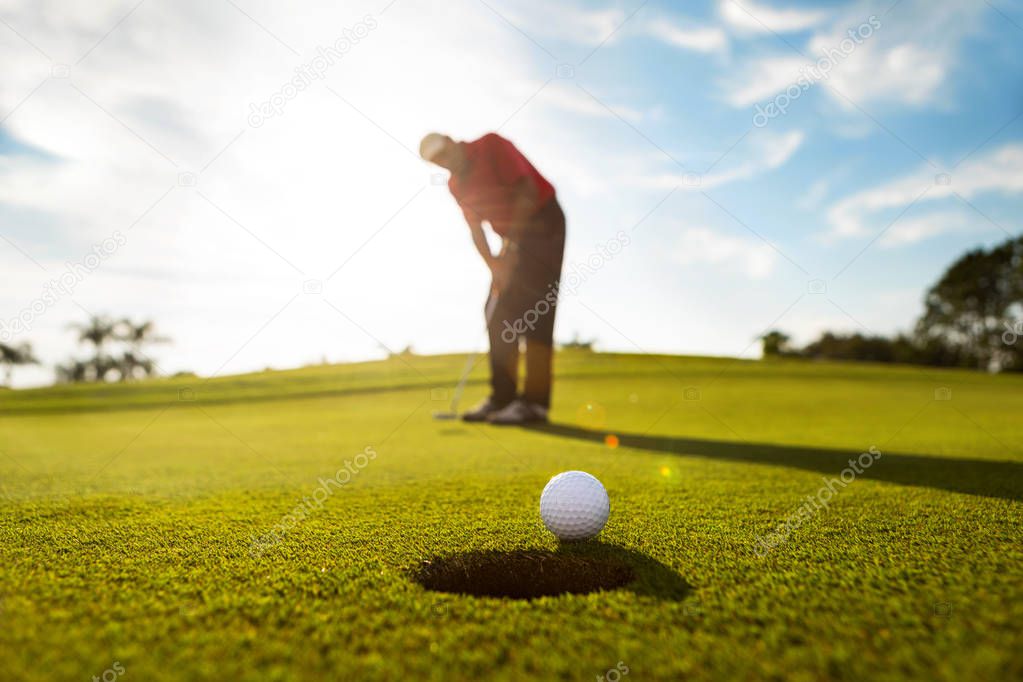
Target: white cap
(432,145)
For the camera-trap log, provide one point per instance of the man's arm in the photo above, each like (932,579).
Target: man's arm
(524,196)
(479,239)
(501,264)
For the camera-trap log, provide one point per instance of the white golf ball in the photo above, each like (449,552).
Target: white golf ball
(574,505)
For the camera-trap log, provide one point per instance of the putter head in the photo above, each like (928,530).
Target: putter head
(445,416)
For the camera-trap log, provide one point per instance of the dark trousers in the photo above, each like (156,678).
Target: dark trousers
(525,310)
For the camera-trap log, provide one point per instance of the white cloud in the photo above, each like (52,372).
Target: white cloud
(906,73)
(705,39)
(589,27)
(313,184)
(564,21)
(763,151)
(565,96)
(751,16)
(583,25)
(1000,170)
(777,150)
(904,57)
(910,230)
(773,152)
(762,79)
(747,256)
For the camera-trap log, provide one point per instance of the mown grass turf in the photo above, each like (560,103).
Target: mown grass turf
(129,514)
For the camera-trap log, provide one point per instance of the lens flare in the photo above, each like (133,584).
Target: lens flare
(591,415)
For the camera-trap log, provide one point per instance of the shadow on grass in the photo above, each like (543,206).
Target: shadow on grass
(576,568)
(989,478)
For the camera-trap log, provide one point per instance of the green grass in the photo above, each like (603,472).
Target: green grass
(129,514)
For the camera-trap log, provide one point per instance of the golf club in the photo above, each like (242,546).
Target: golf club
(452,411)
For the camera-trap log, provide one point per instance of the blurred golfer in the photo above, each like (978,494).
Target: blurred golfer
(494,183)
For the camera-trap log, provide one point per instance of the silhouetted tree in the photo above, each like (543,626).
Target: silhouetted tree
(75,371)
(97,332)
(132,366)
(974,304)
(100,331)
(973,317)
(578,344)
(11,356)
(850,347)
(134,363)
(137,334)
(775,343)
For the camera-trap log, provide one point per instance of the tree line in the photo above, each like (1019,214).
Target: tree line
(973,317)
(117,352)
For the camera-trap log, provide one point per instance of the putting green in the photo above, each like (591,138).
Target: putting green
(282,525)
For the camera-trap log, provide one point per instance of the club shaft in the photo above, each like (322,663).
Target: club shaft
(471,360)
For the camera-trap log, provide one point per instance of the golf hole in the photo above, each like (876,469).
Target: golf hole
(522,575)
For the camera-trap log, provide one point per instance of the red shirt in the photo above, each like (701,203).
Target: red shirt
(484,189)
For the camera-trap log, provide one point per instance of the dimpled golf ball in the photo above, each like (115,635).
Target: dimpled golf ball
(574,505)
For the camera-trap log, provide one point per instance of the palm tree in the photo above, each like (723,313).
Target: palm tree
(15,355)
(135,363)
(97,331)
(137,334)
(74,372)
(133,366)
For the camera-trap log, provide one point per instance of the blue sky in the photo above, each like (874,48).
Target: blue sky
(837,214)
